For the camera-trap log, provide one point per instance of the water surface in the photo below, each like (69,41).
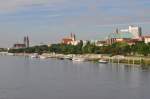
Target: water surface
(24,78)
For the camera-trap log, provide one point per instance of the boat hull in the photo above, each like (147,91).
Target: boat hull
(78,59)
(103,61)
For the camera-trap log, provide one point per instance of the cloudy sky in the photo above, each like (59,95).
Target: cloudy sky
(48,20)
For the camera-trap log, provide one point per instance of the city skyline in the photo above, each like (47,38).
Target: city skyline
(49,20)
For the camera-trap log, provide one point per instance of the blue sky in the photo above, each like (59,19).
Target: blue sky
(49,20)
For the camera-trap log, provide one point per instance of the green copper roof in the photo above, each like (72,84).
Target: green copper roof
(121,35)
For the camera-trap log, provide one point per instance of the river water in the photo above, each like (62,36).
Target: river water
(25,78)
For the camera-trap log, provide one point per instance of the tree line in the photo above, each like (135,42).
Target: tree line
(3,49)
(119,48)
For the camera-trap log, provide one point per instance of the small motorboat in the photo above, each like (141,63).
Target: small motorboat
(35,55)
(10,54)
(78,59)
(42,57)
(68,57)
(103,61)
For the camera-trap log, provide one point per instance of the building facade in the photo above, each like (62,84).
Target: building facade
(18,46)
(134,30)
(25,43)
(131,35)
(69,40)
(146,39)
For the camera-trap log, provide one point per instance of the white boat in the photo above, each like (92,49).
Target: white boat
(68,57)
(103,61)
(43,57)
(35,55)
(10,54)
(78,59)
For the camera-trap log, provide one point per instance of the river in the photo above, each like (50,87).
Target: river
(25,78)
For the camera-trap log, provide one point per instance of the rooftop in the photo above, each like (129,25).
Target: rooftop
(121,35)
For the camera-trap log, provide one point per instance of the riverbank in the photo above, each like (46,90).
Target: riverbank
(119,59)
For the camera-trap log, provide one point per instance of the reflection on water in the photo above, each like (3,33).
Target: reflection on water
(145,67)
(24,78)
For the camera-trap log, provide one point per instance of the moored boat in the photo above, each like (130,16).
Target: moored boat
(10,54)
(103,61)
(68,57)
(78,59)
(42,57)
(35,55)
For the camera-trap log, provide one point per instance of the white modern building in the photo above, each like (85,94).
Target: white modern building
(134,30)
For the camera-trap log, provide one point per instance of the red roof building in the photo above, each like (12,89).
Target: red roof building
(69,40)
